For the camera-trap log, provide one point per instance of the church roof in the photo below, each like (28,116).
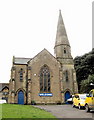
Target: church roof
(25,61)
(44,50)
(18,60)
(3,85)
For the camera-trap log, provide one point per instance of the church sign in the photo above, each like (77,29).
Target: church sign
(45,94)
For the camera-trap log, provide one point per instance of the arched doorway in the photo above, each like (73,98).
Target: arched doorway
(67,96)
(20,97)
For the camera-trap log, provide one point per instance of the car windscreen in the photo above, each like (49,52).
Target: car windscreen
(82,96)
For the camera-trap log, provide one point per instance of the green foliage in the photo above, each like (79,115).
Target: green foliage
(84,66)
(91,78)
(33,102)
(23,111)
(86,84)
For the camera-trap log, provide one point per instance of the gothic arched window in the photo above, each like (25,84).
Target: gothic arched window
(44,79)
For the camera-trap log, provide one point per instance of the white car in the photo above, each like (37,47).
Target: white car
(70,100)
(2,101)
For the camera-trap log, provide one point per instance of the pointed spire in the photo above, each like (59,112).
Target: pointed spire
(62,46)
(61,36)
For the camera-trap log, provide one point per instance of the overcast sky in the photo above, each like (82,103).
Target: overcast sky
(29,26)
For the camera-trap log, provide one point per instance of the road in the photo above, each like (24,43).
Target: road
(66,111)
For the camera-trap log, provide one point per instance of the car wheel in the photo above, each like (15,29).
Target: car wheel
(87,108)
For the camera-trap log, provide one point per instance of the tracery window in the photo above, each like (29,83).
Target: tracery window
(44,79)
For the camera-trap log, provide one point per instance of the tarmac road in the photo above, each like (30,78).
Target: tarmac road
(66,111)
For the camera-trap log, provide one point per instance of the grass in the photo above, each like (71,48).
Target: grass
(23,111)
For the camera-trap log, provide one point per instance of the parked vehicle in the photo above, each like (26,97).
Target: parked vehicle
(70,100)
(2,101)
(79,100)
(89,102)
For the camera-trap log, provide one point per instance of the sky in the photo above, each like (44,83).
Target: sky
(29,26)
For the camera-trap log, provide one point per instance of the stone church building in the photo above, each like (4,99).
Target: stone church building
(44,79)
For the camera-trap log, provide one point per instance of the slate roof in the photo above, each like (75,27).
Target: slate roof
(18,60)
(2,85)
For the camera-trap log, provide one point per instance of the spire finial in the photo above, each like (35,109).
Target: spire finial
(59,10)
(60,20)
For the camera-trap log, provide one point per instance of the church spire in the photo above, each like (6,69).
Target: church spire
(61,36)
(62,46)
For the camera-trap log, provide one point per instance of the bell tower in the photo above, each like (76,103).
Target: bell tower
(62,51)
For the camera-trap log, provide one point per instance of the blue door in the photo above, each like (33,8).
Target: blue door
(67,96)
(20,97)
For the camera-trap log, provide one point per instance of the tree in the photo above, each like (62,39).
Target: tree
(86,84)
(84,66)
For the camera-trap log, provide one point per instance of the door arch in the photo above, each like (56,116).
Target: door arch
(67,96)
(20,97)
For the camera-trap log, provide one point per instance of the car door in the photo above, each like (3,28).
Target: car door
(77,100)
(91,98)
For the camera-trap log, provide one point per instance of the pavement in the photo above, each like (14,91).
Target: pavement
(66,111)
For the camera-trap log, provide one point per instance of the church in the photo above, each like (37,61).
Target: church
(44,79)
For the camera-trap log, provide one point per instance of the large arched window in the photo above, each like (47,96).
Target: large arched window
(44,79)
